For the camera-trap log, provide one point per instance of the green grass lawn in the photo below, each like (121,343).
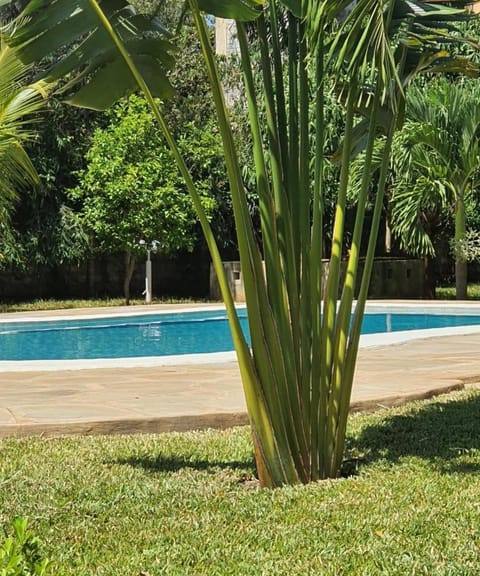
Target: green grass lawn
(448,292)
(52,304)
(442,292)
(188,504)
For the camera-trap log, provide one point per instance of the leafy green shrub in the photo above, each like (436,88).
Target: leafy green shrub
(20,553)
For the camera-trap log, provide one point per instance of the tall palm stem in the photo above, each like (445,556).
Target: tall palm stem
(304,195)
(316,268)
(289,465)
(355,331)
(460,262)
(273,262)
(331,292)
(342,328)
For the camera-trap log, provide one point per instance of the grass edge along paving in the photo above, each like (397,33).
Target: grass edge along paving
(189,504)
(442,293)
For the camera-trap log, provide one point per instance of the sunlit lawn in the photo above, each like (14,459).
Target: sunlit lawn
(189,504)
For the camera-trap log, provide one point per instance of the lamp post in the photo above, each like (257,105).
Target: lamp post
(150,247)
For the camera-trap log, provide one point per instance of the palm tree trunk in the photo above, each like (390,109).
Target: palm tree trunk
(429,278)
(460,262)
(460,279)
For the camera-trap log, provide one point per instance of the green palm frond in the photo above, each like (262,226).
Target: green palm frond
(319,13)
(378,34)
(97,73)
(18,107)
(357,169)
(410,206)
(17,169)
(364,44)
(447,122)
(432,36)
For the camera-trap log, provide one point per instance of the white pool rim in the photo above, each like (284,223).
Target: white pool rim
(366,340)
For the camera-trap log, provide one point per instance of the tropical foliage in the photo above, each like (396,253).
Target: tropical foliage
(293,342)
(44,220)
(41,229)
(437,164)
(298,376)
(18,103)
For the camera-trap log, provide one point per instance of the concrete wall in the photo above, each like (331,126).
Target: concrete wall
(234,278)
(391,278)
(186,276)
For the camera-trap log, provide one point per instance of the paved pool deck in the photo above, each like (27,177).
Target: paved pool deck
(178,397)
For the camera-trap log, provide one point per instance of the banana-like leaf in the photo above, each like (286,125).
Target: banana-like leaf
(242,10)
(295,6)
(98,75)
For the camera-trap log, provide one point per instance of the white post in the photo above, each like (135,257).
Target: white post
(148,279)
(152,246)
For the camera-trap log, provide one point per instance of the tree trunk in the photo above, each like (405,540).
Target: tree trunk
(429,278)
(460,279)
(460,263)
(129,268)
(91,267)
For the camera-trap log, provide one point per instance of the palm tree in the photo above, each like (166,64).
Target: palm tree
(437,164)
(298,374)
(17,105)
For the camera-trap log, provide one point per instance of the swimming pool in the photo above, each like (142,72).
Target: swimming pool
(186,333)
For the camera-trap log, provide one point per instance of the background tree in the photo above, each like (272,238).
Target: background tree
(47,230)
(436,166)
(131,189)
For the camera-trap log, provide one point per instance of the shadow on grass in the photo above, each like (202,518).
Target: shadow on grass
(445,432)
(163,463)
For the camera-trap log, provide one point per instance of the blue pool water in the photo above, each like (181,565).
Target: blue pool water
(164,334)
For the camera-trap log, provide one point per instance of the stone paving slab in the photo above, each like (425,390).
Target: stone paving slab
(158,399)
